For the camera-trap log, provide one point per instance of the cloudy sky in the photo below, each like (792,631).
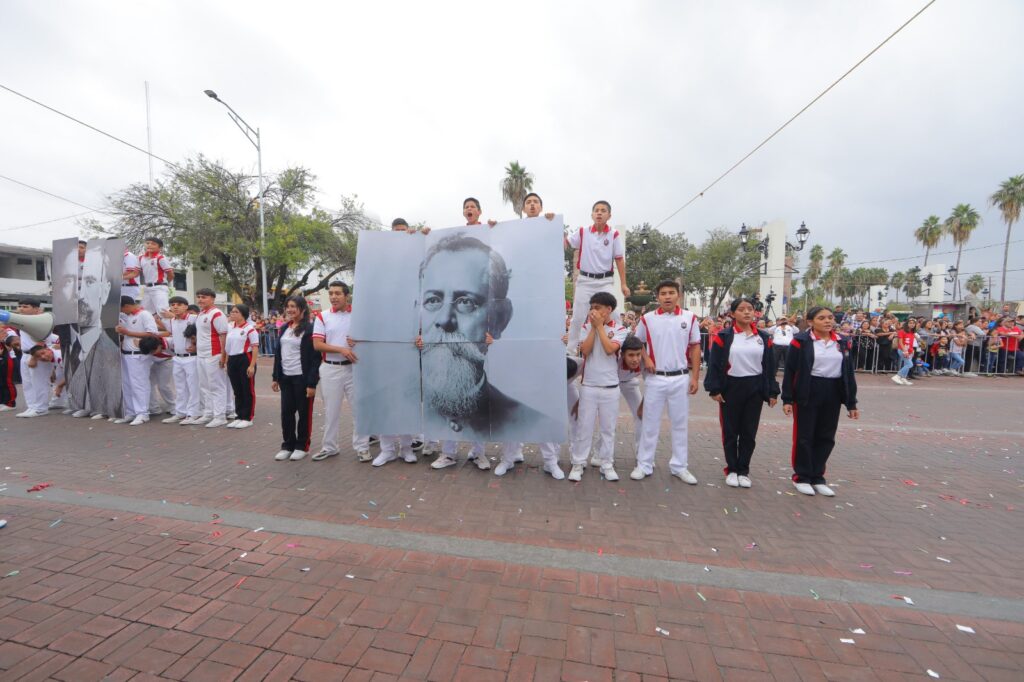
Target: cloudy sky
(413,106)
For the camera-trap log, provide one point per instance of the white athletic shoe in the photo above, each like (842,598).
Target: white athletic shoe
(409,457)
(232,424)
(518,458)
(364,456)
(732,480)
(555,471)
(745,482)
(8,408)
(969,374)
(638,474)
(297,455)
(897,379)
(98,416)
(823,489)
(26,413)
(417,445)
(231,416)
(804,488)
(323,454)
(140,420)
(685,476)
(243,424)
(595,461)
(577,472)
(383,458)
(202,420)
(482,463)
(443,462)
(187,421)
(283,455)
(215,423)
(429,449)
(122,420)
(172,419)
(67,411)
(608,471)
(502,468)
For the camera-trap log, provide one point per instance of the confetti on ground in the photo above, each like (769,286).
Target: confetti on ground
(3,523)
(903,572)
(661,631)
(350,576)
(857,631)
(365,516)
(12,574)
(257,530)
(965,628)
(55,523)
(600,551)
(908,482)
(305,570)
(702,597)
(943,559)
(707,570)
(715,550)
(42,486)
(932,673)
(685,514)
(906,599)
(240,581)
(846,641)
(867,565)
(752,545)
(815,595)
(243,555)
(372,503)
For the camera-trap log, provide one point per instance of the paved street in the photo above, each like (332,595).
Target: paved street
(187,553)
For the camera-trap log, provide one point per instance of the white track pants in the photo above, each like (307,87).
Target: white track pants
(661,393)
(212,386)
(601,406)
(186,387)
(337,386)
(35,384)
(135,384)
(585,288)
(161,398)
(154,299)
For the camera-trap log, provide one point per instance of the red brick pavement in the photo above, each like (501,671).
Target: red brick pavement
(921,477)
(144,598)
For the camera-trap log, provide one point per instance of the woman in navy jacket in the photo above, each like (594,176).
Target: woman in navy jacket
(741,378)
(817,383)
(296,374)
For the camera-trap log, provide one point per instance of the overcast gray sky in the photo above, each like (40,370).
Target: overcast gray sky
(414,106)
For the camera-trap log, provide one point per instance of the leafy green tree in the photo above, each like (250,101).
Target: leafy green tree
(896,282)
(929,234)
(833,277)
(208,216)
(974,284)
(912,285)
(1009,199)
(516,184)
(717,264)
(653,256)
(959,225)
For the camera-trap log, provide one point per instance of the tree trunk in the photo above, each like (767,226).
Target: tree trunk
(1006,255)
(926,250)
(956,280)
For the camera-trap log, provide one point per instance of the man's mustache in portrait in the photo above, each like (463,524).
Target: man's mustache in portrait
(452,369)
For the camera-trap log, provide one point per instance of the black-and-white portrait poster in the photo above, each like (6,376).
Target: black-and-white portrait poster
(65,281)
(93,364)
(489,304)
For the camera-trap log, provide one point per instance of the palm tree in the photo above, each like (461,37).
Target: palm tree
(896,282)
(1008,199)
(836,261)
(959,225)
(912,282)
(813,272)
(974,284)
(516,184)
(929,234)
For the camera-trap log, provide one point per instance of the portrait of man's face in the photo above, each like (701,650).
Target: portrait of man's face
(67,285)
(95,287)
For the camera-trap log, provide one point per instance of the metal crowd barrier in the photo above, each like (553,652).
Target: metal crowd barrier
(268,340)
(978,359)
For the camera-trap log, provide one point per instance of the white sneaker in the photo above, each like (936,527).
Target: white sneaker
(608,471)
(364,456)
(685,476)
(577,472)
(122,420)
(215,423)
(555,471)
(429,449)
(638,474)
(140,420)
(969,374)
(518,458)
(201,420)
(283,455)
(26,413)
(322,455)
(907,382)
(98,416)
(67,411)
(502,468)
(243,424)
(482,463)
(443,462)
(79,414)
(231,415)
(732,480)
(823,489)
(383,458)
(187,421)
(596,462)
(745,481)
(417,446)
(232,424)
(8,408)
(297,455)
(173,419)
(409,457)
(897,379)
(804,488)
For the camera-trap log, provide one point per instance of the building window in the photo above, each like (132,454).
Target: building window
(24,261)
(180,282)
(693,302)
(40,270)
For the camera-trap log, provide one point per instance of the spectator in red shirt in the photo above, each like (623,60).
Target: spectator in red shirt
(1011,359)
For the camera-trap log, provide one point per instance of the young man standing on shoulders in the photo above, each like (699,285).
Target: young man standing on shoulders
(599,250)
(672,336)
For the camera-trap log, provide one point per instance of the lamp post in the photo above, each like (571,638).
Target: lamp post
(801,238)
(253,135)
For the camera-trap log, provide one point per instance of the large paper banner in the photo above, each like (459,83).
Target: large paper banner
(454,287)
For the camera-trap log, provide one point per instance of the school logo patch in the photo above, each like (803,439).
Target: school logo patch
(682,325)
(760,341)
(606,242)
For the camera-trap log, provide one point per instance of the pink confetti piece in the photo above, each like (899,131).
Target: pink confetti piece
(907,481)
(867,565)
(903,572)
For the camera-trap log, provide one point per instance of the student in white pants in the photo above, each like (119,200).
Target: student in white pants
(161,377)
(630,370)
(211,334)
(35,380)
(139,340)
(599,250)
(672,362)
(40,362)
(599,390)
(157,275)
(331,339)
(550,452)
(180,335)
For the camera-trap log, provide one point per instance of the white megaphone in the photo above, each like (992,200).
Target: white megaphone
(38,326)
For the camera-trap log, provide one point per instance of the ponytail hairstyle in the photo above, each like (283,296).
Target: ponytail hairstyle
(300,303)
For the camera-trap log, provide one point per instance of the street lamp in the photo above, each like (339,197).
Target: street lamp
(801,238)
(951,274)
(253,135)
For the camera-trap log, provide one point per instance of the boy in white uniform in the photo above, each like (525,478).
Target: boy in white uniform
(672,336)
(211,332)
(599,392)
(45,358)
(599,249)
(157,275)
(631,362)
(330,338)
(130,275)
(183,364)
(35,380)
(161,379)
(134,325)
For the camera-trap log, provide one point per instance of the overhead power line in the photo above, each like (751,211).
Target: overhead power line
(51,194)
(90,127)
(45,222)
(796,115)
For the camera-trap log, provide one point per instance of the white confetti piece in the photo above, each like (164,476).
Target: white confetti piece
(305,570)
(932,673)
(857,631)
(846,641)
(965,628)
(661,631)
(943,559)
(350,576)
(258,529)
(243,555)
(908,600)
